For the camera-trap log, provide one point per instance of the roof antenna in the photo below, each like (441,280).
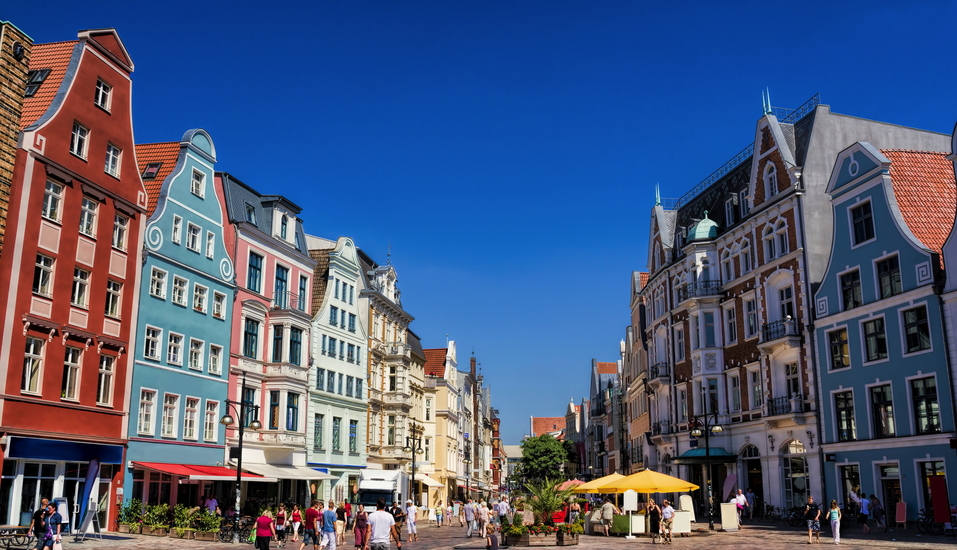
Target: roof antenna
(657,196)
(766,101)
(388,256)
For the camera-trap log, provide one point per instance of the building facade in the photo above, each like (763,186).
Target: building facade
(885,384)
(77,206)
(15,47)
(441,376)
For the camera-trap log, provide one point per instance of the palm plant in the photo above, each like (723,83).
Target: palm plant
(546,499)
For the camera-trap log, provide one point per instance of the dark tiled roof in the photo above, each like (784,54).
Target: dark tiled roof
(166,153)
(320,277)
(56,57)
(547,424)
(926,193)
(435,361)
(415,345)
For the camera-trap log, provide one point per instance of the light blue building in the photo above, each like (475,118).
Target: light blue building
(884,383)
(181,361)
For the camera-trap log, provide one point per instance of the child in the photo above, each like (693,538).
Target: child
(834,514)
(491,541)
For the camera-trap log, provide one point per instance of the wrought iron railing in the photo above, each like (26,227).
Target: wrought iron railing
(779,405)
(779,329)
(790,116)
(288,300)
(699,289)
(659,370)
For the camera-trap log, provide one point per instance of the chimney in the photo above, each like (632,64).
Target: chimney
(472,366)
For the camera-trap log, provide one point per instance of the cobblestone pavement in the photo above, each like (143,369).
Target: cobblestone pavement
(758,535)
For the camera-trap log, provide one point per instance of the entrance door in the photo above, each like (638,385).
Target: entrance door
(188,494)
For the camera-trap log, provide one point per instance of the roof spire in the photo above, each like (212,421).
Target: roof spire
(388,256)
(657,196)
(766,101)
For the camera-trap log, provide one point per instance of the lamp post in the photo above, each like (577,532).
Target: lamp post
(468,467)
(413,446)
(711,427)
(254,424)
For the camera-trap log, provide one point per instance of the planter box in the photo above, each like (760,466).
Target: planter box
(533,540)
(567,540)
(181,533)
(156,531)
(134,529)
(208,536)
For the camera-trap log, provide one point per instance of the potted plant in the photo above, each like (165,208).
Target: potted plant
(131,516)
(156,520)
(568,532)
(207,525)
(183,522)
(514,531)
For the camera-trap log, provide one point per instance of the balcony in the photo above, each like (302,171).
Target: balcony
(281,438)
(783,333)
(287,371)
(288,300)
(659,373)
(660,428)
(701,289)
(778,406)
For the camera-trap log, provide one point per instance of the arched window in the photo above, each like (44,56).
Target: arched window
(770,181)
(751,451)
(769,248)
(782,236)
(705,270)
(728,266)
(795,474)
(745,259)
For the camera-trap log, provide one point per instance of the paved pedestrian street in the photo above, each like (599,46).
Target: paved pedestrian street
(763,536)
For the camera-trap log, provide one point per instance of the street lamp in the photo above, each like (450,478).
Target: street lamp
(711,427)
(468,467)
(254,424)
(413,446)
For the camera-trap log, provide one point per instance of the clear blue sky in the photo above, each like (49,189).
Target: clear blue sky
(507,150)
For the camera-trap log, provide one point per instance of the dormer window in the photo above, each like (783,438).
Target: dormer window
(34,80)
(101,97)
(283,228)
(151,170)
(197,185)
(770,181)
(251,214)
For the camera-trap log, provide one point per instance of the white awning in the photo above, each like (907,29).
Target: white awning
(428,480)
(282,471)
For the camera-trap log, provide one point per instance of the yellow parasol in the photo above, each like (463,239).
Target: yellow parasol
(645,481)
(593,485)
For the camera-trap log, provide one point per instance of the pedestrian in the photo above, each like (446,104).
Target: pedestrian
(653,513)
(439,511)
(751,502)
(482,519)
(350,518)
(742,504)
(469,513)
(382,528)
(491,541)
(863,512)
(265,530)
(834,515)
(361,528)
(341,523)
(608,511)
(399,516)
(296,522)
(37,525)
(812,514)
(877,510)
(53,523)
(330,527)
(211,503)
(854,496)
(411,514)
(281,526)
(667,519)
(309,534)
(574,510)
(449,510)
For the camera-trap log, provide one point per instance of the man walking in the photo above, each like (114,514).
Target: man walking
(329,535)
(608,511)
(812,514)
(742,504)
(863,514)
(310,535)
(381,528)
(469,518)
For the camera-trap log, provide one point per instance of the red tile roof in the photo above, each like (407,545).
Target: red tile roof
(607,368)
(643,279)
(926,193)
(56,57)
(547,424)
(167,153)
(435,361)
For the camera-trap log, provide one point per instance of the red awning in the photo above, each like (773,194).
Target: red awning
(199,471)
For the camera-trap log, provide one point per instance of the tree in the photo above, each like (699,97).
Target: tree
(542,458)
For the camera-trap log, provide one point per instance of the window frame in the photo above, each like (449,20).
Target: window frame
(89,208)
(844,411)
(880,408)
(186,417)
(915,413)
(80,290)
(120,231)
(200,189)
(174,358)
(254,272)
(79,140)
(170,420)
(155,341)
(162,282)
(146,408)
(211,419)
(193,234)
(880,274)
(831,351)
(52,208)
(250,338)
(219,305)
(176,236)
(196,361)
(43,276)
(179,291)
(201,293)
(104,380)
(114,155)
(906,325)
(850,281)
(113,306)
(867,220)
(72,365)
(217,353)
(864,339)
(103,95)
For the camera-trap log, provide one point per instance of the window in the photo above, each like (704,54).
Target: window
(251,339)
(781,233)
(34,80)
(101,97)
(336,292)
(281,289)
(333,315)
(43,276)
(79,139)
(211,420)
(219,305)
(251,214)
(274,410)
(882,411)
(176,237)
(151,343)
(916,329)
(728,267)
(254,276)
(709,395)
(189,418)
(147,406)
(295,346)
(729,211)
(332,347)
(170,404)
(735,393)
(354,437)
(340,383)
(769,244)
(104,381)
(889,277)
(292,412)
(249,398)
(336,429)
(350,353)
(349,382)
(71,373)
(120,223)
(321,379)
(352,292)
(745,258)
(682,406)
(862,220)
(317,431)
(358,392)
(393,383)
(215,359)
(197,184)
(283,227)
(112,163)
(331,382)
(679,345)
(875,342)
(158,283)
(792,379)
(838,348)
(179,290)
(81,286)
(303,284)
(210,244)
(113,293)
(926,409)
(152,169)
(52,200)
(88,209)
(731,326)
(200,294)
(174,349)
(851,290)
(709,337)
(352,322)
(195,354)
(786,295)
(844,407)
(757,394)
(770,181)
(32,363)
(192,237)
(277,337)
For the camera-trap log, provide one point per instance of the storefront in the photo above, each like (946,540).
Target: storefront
(189,484)
(296,484)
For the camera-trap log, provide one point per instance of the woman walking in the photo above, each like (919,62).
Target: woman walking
(653,513)
(281,526)
(341,523)
(296,522)
(834,515)
(265,530)
(361,528)
(438,514)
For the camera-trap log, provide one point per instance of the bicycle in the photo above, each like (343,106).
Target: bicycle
(227,530)
(795,516)
(927,524)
